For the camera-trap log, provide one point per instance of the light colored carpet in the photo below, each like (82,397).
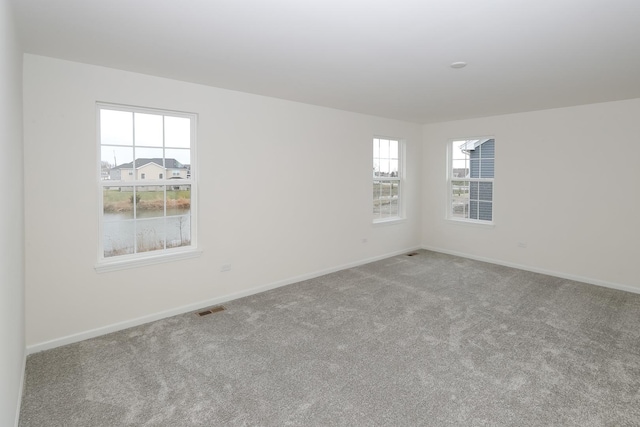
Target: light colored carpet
(431,340)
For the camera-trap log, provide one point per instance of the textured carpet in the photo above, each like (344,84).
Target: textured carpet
(431,340)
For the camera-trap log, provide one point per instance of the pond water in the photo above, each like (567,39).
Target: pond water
(151,231)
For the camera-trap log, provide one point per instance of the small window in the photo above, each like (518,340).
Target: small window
(138,219)
(471,179)
(387,179)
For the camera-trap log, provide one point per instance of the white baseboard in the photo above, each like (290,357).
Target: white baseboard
(21,388)
(70,339)
(561,275)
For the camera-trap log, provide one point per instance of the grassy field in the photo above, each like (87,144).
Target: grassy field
(122,201)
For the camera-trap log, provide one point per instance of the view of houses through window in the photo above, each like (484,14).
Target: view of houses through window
(386,179)
(146,180)
(471,176)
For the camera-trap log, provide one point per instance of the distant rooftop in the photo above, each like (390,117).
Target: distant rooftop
(169,163)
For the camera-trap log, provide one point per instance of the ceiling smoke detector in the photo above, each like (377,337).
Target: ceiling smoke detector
(458,64)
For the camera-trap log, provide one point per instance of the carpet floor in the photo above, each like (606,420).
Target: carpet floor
(424,340)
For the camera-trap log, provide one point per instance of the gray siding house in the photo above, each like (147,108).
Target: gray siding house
(481,165)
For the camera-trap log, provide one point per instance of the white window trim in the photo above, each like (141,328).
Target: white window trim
(389,221)
(400,218)
(154,257)
(448,213)
(148,258)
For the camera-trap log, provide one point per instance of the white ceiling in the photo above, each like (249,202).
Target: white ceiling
(383,57)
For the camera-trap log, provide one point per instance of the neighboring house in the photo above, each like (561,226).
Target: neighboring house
(460,172)
(151,169)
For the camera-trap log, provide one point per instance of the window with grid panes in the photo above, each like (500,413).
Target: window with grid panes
(387,179)
(141,215)
(471,179)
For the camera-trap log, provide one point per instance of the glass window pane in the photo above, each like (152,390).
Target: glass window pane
(149,169)
(385,189)
(149,201)
(473,209)
(155,154)
(116,163)
(393,168)
(178,199)
(456,152)
(395,187)
(116,127)
(473,191)
(460,168)
(384,148)
(117,203)
(148,130)
(393,149)
(393,208)
(460,199)
(459,208)
(181,156)
(385,167)
(486,168)
(117,237)
(177,132)
(474,169)
(178,230)
(150,234)
(384,207)
(485,211)
(486,191)
(487,150)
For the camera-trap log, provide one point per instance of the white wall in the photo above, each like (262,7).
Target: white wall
(567,184)
(285,191)
(11,221)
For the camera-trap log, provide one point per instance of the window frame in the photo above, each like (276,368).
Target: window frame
(119,262)
(450,179)
(400,179)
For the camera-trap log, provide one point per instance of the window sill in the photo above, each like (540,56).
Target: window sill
(471,223)
(389,221)
(140,261)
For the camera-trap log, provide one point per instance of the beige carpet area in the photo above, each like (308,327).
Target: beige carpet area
(424,340)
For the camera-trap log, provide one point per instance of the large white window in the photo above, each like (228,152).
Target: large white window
(387,179)
(143,217)
(471,179)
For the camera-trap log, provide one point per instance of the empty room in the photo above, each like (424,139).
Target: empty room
(305,213)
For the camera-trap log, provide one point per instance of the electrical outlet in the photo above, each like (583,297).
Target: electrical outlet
(225,267)
(522,244)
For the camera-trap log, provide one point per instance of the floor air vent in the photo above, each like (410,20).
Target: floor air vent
(211,310)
